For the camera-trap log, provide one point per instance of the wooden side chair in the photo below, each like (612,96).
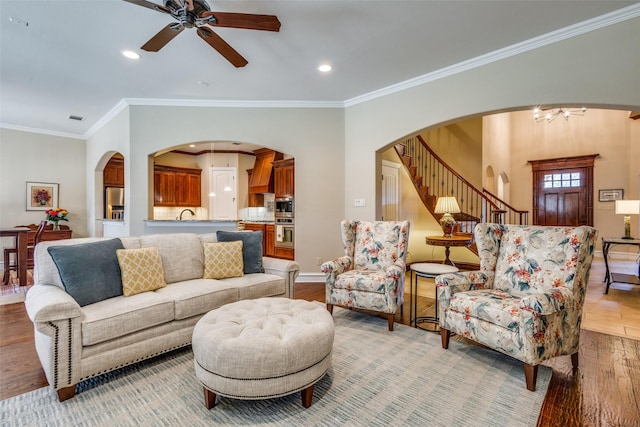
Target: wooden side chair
(13,253)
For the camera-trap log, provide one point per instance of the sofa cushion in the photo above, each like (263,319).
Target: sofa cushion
(141,270)
(120,316)
(223,259)
(89,271)
(251,248)
(198,296)
(182,255)
(258,285)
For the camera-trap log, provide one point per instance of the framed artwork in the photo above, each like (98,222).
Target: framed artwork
(610,195)
(42,196)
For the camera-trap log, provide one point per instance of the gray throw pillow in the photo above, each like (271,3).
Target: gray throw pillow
(89,271)
(251,248)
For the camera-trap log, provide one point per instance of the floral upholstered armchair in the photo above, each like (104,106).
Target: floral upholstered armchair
(371,274)
(526,300)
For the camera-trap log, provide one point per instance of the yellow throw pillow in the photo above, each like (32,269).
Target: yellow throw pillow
(223,259)
(141,270)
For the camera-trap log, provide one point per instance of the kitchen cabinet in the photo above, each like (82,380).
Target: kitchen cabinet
(174,186)
(284,253)
(269,240)
(113,174)
(283,178)
(268,237)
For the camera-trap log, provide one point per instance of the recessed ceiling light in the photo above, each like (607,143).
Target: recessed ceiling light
(325,68)
(203,83)
(130,54)
(192,145)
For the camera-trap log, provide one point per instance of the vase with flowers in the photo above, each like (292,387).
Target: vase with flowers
(56,215)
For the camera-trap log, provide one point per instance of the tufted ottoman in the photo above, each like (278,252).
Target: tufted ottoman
(263,348)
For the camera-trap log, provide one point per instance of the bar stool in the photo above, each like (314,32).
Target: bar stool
(426,270)
(9,252)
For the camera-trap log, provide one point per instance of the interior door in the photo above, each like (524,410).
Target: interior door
(390,191)
(563,191)
(224,205)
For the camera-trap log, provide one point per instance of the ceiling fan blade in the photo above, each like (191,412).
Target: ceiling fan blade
(247,21)
(150,5)
(216,42)
(163,37)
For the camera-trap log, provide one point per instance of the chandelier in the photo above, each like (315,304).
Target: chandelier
(540,115)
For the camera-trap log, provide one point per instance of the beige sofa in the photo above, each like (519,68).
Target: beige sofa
(75,343)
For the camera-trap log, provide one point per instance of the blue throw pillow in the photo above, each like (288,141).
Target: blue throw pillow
(251,248)
(89,271)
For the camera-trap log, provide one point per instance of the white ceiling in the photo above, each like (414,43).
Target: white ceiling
(67,60)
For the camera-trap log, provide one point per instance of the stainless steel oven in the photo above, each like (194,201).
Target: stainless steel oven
(284,207)
(285,233)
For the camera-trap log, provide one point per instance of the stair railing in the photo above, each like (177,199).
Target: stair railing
(434,178)
(507,214)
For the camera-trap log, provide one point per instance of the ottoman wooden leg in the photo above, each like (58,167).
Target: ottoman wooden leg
(209,398)
(307,395)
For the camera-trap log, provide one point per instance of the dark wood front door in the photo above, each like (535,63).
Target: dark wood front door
(563,191)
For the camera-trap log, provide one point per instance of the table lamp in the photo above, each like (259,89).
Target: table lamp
(627,208)
(447,205)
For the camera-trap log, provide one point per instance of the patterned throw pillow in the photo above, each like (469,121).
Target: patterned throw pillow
(141,270)
(223,259)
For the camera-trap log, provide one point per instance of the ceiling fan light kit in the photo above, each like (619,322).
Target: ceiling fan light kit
(197,14)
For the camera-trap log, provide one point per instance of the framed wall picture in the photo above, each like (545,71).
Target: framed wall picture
(42,196)
(610,195)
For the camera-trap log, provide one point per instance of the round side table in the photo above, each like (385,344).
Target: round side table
(426,270)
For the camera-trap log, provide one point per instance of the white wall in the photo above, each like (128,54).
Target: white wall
(33,157)
(111,138)
(598,68)
(315,137)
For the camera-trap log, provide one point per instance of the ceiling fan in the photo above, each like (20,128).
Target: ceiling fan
(196,13)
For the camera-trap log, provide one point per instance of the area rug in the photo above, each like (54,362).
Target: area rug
(378,378)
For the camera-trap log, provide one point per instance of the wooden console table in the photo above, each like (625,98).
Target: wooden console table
(448,242)
(610,277)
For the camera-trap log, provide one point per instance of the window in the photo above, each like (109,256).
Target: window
(560,180)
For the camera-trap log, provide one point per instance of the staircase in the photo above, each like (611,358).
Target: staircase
(433,178)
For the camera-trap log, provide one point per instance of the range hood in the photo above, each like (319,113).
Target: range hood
(262,175)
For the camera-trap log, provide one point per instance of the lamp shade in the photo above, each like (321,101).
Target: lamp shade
(628,207)
(447,204)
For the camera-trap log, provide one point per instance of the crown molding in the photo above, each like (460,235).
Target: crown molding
(232,103)
(41,131)
(599,22)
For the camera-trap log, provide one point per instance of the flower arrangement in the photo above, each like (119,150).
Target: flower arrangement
(56,215)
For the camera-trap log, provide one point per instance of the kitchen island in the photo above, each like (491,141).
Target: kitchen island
(152,226)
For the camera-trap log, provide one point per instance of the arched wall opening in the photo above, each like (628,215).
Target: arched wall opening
(508,139)
(100,200)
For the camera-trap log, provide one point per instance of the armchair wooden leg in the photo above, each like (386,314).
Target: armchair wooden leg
(66,393)
(445,334)
(574,359)
(390,317)
(330,308)
(530,376)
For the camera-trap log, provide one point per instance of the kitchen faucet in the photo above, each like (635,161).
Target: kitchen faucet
(186,210)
